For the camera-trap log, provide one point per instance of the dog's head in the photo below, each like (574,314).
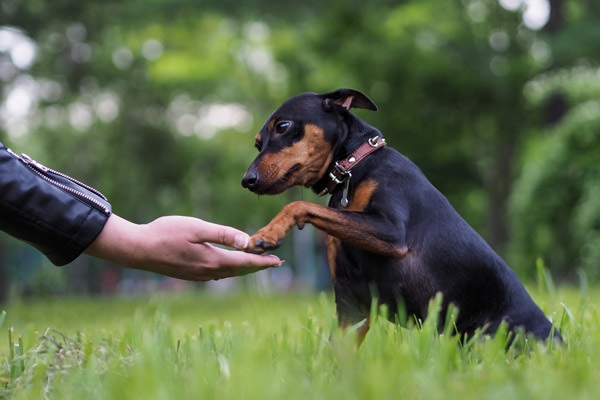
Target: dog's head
(297,142)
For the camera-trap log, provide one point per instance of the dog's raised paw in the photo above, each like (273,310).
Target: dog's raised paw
(260,246)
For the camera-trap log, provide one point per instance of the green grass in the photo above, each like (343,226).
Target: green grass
(194,346)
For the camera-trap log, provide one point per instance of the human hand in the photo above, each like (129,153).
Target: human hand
(180,247)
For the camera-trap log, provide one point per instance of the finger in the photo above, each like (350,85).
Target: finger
(224,235)
(241,260)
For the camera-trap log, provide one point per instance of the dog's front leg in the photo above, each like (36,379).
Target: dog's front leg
(368,232)
(270,236)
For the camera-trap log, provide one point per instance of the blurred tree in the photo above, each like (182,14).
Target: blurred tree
(155,102)
(555,201)
(133,105)
(554,206)
(146,110)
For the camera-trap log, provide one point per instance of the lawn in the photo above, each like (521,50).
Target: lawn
(250,346)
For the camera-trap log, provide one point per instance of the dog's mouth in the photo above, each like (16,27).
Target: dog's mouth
(288,174)
(281,184)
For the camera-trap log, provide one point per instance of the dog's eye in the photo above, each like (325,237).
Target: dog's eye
(282,126)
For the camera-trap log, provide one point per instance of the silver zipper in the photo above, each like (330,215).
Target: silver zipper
(29,160)
(41,171)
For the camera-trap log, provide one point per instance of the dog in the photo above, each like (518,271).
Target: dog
(391,234)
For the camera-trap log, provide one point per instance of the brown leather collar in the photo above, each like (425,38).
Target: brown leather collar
(340,172)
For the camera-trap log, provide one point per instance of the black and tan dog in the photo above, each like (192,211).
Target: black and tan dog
(391,233)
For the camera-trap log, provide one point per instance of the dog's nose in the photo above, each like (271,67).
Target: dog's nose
(250,180)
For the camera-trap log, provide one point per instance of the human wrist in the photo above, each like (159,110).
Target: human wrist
(121,242)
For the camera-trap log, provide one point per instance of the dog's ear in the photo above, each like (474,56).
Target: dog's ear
(347,98)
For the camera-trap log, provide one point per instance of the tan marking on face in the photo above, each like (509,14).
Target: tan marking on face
(311,156)
(362,195)
(271,124)
(258,137)
(333,245)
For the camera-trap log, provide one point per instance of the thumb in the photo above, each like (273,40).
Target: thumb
(226,236)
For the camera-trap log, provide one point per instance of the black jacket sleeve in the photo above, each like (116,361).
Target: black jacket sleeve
(58,215)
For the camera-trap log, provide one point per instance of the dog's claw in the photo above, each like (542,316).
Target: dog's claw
(270,246)
(261,246)
(266,246)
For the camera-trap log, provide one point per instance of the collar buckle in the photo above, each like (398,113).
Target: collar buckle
(340,172)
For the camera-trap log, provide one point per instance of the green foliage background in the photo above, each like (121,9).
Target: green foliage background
(502,118)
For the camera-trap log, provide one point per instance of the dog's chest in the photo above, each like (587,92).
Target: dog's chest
(359,197)
(349,262)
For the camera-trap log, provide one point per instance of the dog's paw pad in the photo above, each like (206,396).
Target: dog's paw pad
(261,245)
(270,246)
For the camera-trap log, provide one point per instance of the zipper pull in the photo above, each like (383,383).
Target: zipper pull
(30,161)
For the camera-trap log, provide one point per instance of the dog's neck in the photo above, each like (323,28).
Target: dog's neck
(339,170)
(358,132)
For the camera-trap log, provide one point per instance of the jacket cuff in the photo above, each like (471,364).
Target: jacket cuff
(59,216)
